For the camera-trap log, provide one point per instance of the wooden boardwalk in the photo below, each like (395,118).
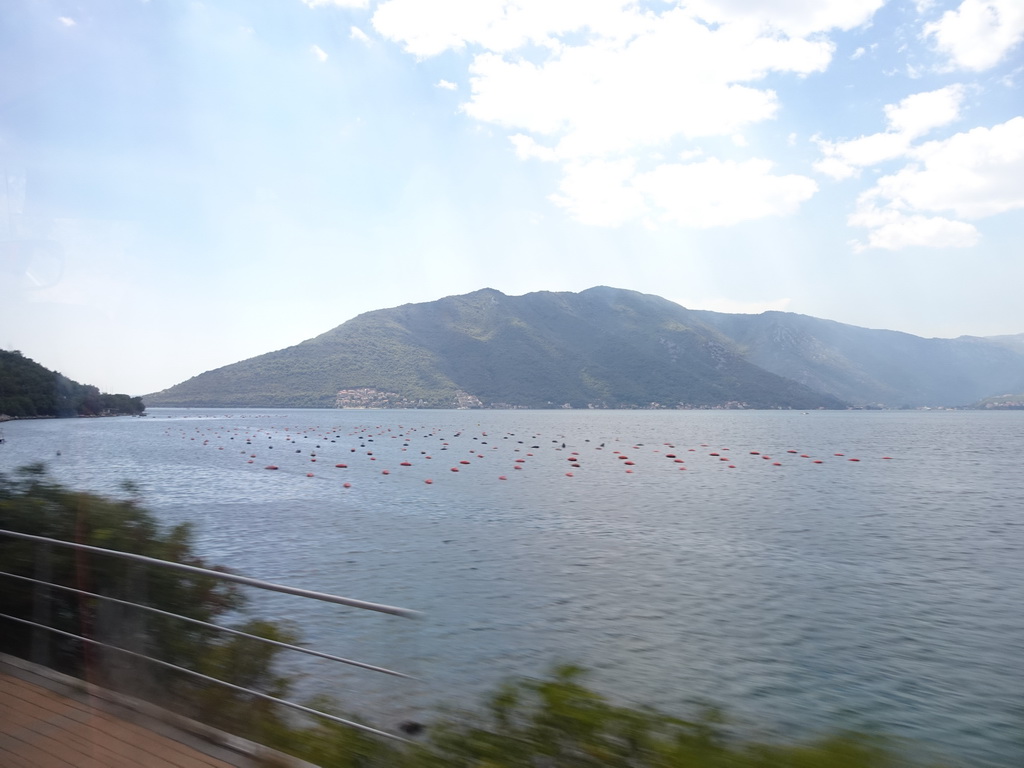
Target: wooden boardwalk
(48,720)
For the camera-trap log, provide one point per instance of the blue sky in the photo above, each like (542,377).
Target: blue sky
(189,184)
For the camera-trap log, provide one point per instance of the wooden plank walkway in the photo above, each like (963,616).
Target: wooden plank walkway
(49,722)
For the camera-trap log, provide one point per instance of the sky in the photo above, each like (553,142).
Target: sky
(190,183)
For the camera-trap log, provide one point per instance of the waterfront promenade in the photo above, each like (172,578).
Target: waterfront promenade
(49,720)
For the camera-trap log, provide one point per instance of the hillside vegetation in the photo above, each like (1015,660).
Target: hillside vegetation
(28,390)
(602,348)
(605,348)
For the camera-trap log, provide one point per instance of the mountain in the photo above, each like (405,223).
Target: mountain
(1015,341)
(877,367)
(605,347)
(27,390)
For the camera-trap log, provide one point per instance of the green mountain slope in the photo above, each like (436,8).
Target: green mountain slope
(602,347)
(27,390)
(606,347)
(865,366)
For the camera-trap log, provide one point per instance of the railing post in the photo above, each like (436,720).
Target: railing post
(41,604)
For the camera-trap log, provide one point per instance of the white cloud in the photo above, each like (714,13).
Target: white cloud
(429,28)
(865,151)
(791,17)
(711,193)
(67,21)
(974,174)
(599,193)
(979,33)
(971,175)
(893,230)
(527,148)
(680,79)
(716,193)
(355,33)
(919,113)
(447,85)
(319,52)
(602,86)
(634,78)
(911,118)
(858,53)
(338,3)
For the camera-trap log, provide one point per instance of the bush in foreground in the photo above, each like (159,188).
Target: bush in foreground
(31,502)
(558,722)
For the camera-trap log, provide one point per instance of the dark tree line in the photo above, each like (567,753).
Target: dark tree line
(28,390)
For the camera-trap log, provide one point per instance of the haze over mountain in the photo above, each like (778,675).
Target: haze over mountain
(604,348)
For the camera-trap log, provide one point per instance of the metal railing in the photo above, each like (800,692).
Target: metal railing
(41,583)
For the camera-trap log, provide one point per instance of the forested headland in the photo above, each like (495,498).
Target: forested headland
(29,390)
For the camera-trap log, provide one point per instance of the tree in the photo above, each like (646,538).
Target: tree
(32,503)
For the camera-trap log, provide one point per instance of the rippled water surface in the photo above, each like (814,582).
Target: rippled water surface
(801,591)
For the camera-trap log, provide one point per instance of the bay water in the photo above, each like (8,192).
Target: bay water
(804,571)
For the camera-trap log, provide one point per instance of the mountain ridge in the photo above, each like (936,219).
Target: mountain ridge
(606,348)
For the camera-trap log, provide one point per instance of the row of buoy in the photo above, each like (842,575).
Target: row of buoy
(366,438)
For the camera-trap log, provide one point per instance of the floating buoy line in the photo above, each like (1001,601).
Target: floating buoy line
(484,457)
